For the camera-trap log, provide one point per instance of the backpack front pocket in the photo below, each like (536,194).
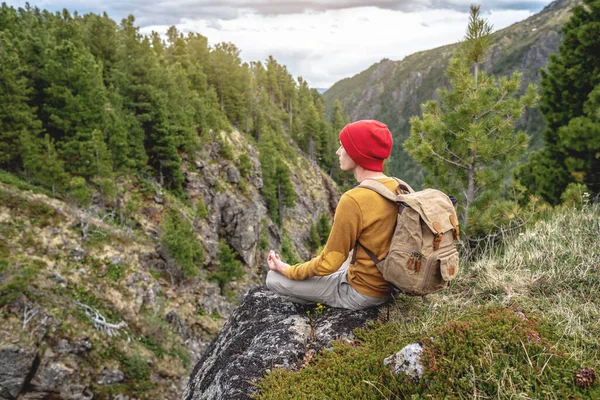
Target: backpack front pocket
(448,265)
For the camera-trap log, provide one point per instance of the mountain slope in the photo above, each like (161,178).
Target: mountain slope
(392,91)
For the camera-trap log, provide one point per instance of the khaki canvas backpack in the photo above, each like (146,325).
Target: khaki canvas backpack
(423,258)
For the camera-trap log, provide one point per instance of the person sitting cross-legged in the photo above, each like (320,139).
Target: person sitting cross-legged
(333,278)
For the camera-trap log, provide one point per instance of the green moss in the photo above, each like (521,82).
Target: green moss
(494,351)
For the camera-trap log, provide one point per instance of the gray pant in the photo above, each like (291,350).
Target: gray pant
(332,290)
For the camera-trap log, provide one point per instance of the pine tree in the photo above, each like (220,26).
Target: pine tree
(313,238)
(569,105)
(229,266)
(42,163)
(16,115)
(467,140)
(74,96)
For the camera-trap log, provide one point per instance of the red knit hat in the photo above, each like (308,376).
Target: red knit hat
(368,143)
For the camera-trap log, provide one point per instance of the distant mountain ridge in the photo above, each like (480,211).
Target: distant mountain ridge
(392,91)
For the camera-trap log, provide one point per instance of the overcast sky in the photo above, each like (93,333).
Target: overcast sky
(322,41)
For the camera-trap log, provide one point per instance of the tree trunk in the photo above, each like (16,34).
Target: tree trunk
(312,149)
(471,186)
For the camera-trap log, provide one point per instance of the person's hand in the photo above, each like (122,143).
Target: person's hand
(275,263)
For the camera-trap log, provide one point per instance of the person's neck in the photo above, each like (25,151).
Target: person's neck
(361,174)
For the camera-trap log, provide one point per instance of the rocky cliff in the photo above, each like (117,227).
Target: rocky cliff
(91,308)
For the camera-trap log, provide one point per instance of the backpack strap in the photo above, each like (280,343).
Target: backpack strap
(372,256)
(379,188)
(383,191)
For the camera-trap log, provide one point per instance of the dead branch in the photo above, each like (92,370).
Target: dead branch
(99,320)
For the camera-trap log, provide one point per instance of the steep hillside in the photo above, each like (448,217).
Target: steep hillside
(90,307)
(392,91)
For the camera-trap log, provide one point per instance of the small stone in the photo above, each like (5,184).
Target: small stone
(111,377)
(82,345)
(58,279)
(117,259)
(78,253)
(407,361)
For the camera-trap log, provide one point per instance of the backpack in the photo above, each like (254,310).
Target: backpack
(423,258)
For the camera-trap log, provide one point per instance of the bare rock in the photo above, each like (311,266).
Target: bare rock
(5,394)
(233,175)
(76,392)
(265,331)
(51,375)
(16,364)
(111,377)
(407,361)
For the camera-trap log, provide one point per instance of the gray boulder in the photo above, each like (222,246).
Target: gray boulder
(265,332)
(16,364)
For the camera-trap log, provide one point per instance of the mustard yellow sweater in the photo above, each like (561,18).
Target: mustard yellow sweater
(364,215)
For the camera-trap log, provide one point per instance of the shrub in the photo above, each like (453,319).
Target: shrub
(201,210)
(229,266)
(16,278)
(287,250)
(245,165)
(179,239)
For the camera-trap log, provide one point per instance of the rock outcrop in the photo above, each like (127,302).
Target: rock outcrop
(266,332)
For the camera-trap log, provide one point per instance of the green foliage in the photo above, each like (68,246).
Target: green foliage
(16,278)
(277,189)
(86,97)
(493,341)
(466,141)
(576,194)
(245,165)
(225,148)
(201,210)
(263,242)
(180,241)
(570,101)
(288,253)
(114,271)
(79,191)
(323,228)
(229,266)
(14,180)
(313,238)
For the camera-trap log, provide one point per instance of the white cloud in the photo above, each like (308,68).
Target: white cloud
(322,41)
(324,47)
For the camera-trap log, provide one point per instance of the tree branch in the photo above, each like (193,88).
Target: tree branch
(492,108)
(444,158)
